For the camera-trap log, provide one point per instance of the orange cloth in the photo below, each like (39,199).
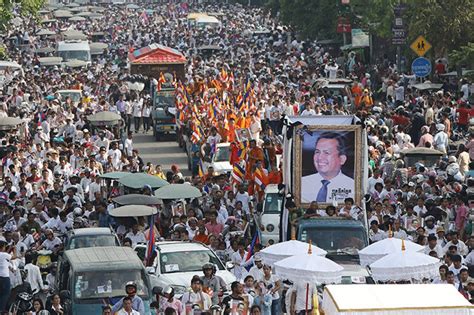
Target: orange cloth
(231,133)
(201,238)
(254,155)
(275,177)
(357,92)
(223,133)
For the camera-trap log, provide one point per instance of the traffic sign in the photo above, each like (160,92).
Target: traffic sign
(399,36)
(420,46)
(421,67)
(343,25)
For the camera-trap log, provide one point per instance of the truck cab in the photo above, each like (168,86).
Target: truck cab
(342,239)
(97,274)
(164,111)
(74,50)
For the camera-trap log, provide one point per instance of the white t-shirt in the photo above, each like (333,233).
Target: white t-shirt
(245,199)
(50,245)
(128,144)
(272,281)
(136,238)
(4,264)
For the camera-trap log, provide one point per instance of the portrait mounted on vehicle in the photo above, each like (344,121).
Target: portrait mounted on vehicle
(328,163)
(243,134)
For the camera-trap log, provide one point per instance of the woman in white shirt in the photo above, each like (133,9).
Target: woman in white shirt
(137,113)
(147,115)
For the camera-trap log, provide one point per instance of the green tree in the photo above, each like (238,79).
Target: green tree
(464,56)
(26,7)
(445,24)
(311,18)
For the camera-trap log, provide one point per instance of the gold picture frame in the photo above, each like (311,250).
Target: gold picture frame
(352,135)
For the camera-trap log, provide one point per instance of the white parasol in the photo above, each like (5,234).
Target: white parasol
(283,250)
(382,248)
(405,266)
(309,268)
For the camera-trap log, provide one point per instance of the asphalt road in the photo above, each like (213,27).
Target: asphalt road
(166,152)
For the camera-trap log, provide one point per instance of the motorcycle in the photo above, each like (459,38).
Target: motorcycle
(43,261)
(24,299)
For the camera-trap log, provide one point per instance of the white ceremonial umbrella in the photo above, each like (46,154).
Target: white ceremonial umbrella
(405,266)
(279,251)
(308,268)
(382,248)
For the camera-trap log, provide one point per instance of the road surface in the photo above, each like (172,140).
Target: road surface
(165,152)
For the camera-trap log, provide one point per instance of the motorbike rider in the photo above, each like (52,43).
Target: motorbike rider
(167,300)
(52,243)
(196,296)
(212,283)
(137,302)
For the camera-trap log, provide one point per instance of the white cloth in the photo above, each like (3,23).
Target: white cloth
(256,273)
(4,264)
(50,245)
(238,270)
(200,298)
(136,238)
(124,312)
(462,248)
(34,277)
(438,249)
(340,187)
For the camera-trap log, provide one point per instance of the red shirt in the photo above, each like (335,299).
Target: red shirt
(463,115)
(400,120)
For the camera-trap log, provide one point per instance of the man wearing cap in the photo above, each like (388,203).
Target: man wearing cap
(257,271)
(440,140)
(40,136)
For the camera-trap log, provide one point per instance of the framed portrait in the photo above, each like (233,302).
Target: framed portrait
(243,134)
(328,164)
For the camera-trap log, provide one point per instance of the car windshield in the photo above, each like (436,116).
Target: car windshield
(92,241)
(83,55)
(222,154)
(331,239)
(102,284)
(272,203)
(162,100)
(75,97)
(188,261)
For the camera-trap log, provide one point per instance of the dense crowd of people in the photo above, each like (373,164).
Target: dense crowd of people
(240,93)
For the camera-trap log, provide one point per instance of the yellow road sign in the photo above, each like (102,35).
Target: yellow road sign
(420,46)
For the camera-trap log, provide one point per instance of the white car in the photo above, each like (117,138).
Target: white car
(221,159)
(177,262)
(270,219)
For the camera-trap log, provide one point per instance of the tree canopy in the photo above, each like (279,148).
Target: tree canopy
(25,7)
(445,24)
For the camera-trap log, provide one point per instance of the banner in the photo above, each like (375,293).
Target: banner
(359,38)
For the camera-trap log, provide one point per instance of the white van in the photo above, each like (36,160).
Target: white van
(74,50)
(270,220)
